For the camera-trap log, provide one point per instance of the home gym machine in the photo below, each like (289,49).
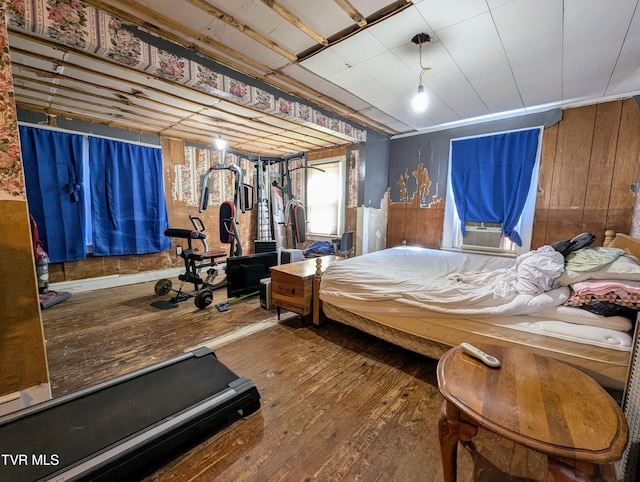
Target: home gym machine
(197,260)
(122,429)
(295,218)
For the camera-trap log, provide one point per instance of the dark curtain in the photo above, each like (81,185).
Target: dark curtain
(491,176)
(129,212)
(52,163)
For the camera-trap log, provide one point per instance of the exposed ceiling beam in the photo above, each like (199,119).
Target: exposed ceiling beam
(162,26)
(245,29)
(376,17)
(350,10)
(295,21)
(252,124)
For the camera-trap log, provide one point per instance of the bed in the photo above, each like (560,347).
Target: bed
(429,300)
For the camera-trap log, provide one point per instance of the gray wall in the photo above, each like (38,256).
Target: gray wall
(432,150)
(375,159)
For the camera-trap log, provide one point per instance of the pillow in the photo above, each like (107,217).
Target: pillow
(625,267)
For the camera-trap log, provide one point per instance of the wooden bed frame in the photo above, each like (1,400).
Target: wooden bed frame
(607,366)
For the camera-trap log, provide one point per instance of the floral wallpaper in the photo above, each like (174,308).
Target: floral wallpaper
(11,178)
(186,184)
(71,22)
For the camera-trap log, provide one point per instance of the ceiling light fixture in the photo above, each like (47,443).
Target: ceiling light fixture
(220,143)
(420,100)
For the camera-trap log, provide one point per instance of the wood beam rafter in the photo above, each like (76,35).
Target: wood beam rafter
(252,116)
(244,131)
(350,10)
(294,20)
(245,29)
(165,27)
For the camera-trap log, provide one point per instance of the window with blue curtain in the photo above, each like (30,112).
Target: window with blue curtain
(52,163)
(491,177)
(129,212)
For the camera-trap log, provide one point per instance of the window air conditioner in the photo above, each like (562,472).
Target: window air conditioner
(482,235)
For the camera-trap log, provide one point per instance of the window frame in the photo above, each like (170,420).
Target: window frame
(341,160)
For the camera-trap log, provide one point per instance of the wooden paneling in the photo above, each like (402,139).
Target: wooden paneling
(415,225)
(627,169)
(568,186)
(589,160)
(601,168)
(22,353)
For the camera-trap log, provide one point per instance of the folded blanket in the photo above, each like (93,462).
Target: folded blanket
(602,287)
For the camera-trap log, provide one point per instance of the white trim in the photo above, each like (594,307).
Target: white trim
(90,284)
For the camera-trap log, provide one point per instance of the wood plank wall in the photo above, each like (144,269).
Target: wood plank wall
(589,159)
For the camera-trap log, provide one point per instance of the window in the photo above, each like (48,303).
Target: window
(325,196)
(487,233)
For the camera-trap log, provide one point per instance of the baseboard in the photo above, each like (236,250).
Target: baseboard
(90,284)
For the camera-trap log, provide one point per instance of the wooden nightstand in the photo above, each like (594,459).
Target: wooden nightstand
(292,284)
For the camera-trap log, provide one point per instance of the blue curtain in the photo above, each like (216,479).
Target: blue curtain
(491,176)
(53,176)
(129,212)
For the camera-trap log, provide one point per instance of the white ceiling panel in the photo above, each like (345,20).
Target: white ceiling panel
(475,46)
(541,84)
(592,23)
(400,29)
(349,77)
(626,76)
(440,15)
(358,48)
(326,63)
(498,93)
(535,37)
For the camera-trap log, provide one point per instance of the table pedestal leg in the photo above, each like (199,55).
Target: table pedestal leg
(451,430)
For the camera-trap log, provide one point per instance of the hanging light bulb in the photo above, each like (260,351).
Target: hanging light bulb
(220,142)
(420,100)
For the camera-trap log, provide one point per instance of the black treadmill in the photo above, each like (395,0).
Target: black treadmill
(126,425)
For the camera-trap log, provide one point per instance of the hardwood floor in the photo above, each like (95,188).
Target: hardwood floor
(337,404)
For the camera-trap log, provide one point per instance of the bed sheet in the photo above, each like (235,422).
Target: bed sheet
(442,282)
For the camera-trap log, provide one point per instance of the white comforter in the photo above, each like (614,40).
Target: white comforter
(450,282)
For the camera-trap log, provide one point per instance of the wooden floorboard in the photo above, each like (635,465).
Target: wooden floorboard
(336,404)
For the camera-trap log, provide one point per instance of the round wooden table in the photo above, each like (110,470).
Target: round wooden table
(534,401)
